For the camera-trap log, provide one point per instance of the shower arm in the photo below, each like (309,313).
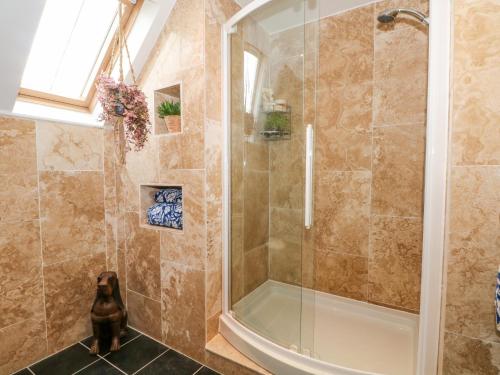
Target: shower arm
(414,13)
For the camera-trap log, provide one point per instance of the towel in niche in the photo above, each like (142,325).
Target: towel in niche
(172,195)
(497,300)
(166,214)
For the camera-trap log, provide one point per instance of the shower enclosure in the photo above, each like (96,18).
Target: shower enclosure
(325,150)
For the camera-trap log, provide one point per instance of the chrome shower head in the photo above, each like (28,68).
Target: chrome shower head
(388,16)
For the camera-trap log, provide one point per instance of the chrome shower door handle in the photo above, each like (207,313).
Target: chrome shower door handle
(308,200)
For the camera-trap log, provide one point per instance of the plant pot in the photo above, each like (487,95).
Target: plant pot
(173,123)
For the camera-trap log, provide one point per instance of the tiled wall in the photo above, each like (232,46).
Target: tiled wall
(471,344)
(52,236)
(370,137)
(173,280)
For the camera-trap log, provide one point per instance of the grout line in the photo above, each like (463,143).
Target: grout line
(121,345)
(109,363)
(175,350)
(197,371)
(154,359)
(90,364)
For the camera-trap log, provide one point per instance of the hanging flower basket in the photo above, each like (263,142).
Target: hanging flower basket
(123,105)
(127,101)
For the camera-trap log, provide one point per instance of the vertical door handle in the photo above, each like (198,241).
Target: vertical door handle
(308,206)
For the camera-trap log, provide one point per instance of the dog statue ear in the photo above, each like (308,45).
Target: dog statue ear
(99,278)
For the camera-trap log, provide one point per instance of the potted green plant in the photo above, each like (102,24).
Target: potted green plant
(277,122)
(170,112)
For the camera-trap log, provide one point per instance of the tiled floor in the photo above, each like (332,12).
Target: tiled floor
(138,355)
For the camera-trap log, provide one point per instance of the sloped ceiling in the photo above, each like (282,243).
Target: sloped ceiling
(18,24)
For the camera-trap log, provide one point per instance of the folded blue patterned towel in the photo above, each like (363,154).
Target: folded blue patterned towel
(172,195)
(166,214)
(497,300)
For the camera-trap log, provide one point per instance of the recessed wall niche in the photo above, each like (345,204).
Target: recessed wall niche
(161,207)
(170,124)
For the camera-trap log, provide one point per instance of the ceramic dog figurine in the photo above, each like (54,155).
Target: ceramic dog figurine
(108,314)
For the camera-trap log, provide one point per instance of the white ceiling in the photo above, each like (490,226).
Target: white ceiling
(18,24)
(280,15)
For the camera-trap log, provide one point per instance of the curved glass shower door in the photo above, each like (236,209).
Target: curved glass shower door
(270,260)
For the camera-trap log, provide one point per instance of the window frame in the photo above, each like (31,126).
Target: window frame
(88,104)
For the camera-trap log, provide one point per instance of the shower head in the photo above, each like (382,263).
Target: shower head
(388,16)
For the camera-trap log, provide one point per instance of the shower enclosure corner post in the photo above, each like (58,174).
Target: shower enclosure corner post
(226,168)
(436,172)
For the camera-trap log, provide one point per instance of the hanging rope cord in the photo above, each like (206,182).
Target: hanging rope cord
(121,41)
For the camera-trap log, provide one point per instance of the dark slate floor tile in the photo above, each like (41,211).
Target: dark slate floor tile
(65,362)
(131,334)
(136,354)
(171,363)
(207,371)
(24,371)
(100,367)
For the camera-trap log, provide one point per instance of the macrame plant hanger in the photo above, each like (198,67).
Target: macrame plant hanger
(119,131)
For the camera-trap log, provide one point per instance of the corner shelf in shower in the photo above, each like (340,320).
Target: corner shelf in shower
(282,132)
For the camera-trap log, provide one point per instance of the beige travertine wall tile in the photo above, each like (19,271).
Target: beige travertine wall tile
(342,203)
(237,279)
(394,266)
(475,104)
(70,288)
(474,250)
(345,38)
(256,209)
(72,215)
(183,308)
(346,107)
(285,245)
(22,344)
(185,150)
(18,197)
(397,103)
(471,340)
(21,295)
(18,172)
(64,147)
(110,170)
(17,146)
(21,256)
(255,267)
(469,356)
(140,167)
(189,245)
(342,274)
(341,149)
(398,170)
(144,314)
(179,46)
(476,24)
(143,258)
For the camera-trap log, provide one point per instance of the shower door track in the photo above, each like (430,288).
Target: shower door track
(280,360)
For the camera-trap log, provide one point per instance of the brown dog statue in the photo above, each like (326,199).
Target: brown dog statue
(108,314)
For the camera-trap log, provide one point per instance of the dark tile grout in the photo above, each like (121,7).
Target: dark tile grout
(84,367)
(147,364)
(197,371)
(177,351)
(103,357)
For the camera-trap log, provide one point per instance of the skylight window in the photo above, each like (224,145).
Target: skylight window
(70,48)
